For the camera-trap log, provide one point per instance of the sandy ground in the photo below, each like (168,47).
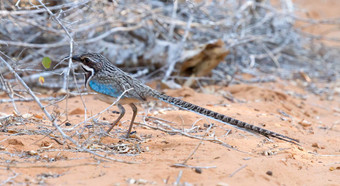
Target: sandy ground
(281,106)
(29,157)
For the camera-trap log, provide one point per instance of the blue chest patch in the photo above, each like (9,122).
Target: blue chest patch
(104,89)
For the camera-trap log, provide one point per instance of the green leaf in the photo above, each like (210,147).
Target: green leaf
(46,62)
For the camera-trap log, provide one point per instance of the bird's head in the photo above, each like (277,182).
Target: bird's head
(91,62)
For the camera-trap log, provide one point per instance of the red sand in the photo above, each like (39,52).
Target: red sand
(34,159)
(316,162)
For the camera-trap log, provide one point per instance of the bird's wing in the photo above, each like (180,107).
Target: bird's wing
(138,90)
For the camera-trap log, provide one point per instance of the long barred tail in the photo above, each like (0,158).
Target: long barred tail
(221,118)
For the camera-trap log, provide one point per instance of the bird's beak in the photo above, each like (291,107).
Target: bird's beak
(76,58)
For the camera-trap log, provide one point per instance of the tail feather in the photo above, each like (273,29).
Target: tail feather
(221,118)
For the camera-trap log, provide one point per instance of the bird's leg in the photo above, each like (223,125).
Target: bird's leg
(134,109)
(122,112)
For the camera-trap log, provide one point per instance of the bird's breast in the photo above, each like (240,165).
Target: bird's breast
(105,89)
(109,94)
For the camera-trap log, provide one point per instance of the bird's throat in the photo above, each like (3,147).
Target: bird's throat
(89,72)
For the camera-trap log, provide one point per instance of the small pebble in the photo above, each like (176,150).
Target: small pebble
(141,182)
(32,153)
(198,170)
(270,173)
(315,145)
(131,181)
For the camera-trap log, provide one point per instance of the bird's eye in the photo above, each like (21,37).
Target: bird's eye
(87,60)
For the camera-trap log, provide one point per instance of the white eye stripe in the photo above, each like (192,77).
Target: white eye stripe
(87,68)
(88,78)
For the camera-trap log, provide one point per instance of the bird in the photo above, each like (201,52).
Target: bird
(110,82)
